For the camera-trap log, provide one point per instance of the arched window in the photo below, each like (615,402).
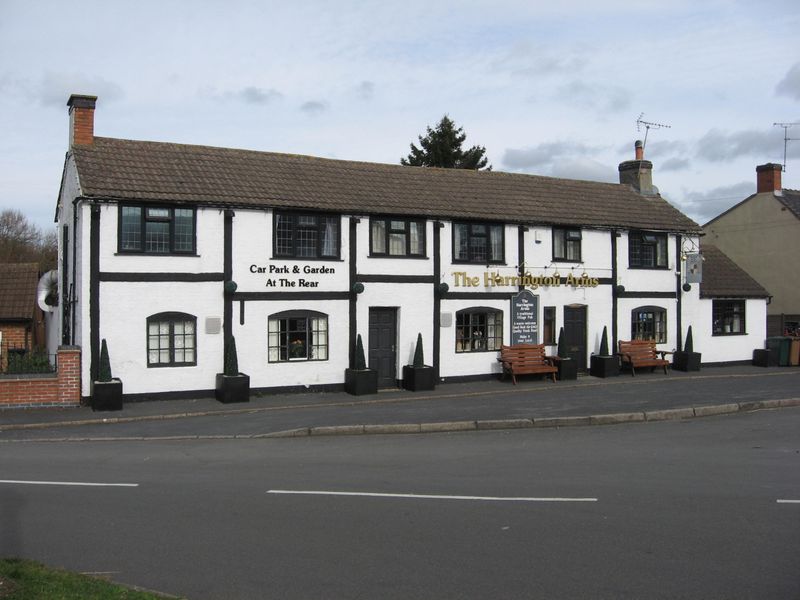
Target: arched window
(297,335)
(649,323)
(479,329)
(171,340)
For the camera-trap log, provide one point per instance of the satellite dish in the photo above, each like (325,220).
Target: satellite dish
(47,291)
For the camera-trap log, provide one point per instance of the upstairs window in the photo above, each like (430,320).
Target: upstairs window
(649,323)
(156,229)
(728,317)
(478,243)
(171,340)
(298,335)
(566,244)
(647,250)
(397,238)
(479,330)
(306,235)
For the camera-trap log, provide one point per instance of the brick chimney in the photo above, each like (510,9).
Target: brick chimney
(638,173)
(81,119)
(768,178)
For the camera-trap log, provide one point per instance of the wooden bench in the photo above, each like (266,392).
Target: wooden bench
(642,353)
(524,359)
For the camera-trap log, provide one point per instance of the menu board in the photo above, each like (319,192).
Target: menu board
(525,318)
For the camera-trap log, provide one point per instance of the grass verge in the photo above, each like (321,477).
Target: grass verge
(29,580)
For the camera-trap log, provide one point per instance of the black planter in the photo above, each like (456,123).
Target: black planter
(567,369)
(359,382)
(686,361)
(761,357)
(603,366)
(107,395)
(232,388)
(419,379)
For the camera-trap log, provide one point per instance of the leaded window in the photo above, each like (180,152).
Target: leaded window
(567,244)
(306,235)
(156,230)
(479,330)
(397,237)
(728,317)
(297,336)
(478,243)
(649,323)
(171,340)
(647,250)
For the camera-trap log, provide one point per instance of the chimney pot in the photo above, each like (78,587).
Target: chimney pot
(768,178)
(81,119)
(639,149)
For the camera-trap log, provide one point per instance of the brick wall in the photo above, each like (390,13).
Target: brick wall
(62,389)
(15,336)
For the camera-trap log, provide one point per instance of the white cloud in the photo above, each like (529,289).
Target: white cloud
(790,84)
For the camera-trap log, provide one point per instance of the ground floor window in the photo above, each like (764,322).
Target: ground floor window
(297,336)
(649,323)
(171,340)
(549,325)
(728,317)
(479,330)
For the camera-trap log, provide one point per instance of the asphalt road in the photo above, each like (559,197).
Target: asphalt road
(679,509)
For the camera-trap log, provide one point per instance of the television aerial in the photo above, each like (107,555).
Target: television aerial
(648,125)
(786,138)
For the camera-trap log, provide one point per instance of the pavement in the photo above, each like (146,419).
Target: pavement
(484,405)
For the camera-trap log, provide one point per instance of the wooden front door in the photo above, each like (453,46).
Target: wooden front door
(575,334)
(382,345)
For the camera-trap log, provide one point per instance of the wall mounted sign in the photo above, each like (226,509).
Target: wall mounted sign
(694,268)
(290,275)
(495,279)
(525,318)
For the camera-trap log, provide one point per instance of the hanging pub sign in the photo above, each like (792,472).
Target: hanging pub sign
(694,268)
(525,318)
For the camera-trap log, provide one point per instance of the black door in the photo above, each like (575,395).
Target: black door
(382,340)
(575,334)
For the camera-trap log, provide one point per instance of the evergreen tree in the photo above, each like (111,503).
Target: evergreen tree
(104,369)
(441,147)
(419,357)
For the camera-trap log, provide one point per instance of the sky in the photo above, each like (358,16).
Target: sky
(549,88)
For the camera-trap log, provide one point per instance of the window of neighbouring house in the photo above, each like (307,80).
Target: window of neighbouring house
(549,325)
(479,330)
(298,336)
(478,243)
(566,244)
(397,237)
(171,340)
(649,323)
(156,230)
(728,317)
(306,235)
(647,250)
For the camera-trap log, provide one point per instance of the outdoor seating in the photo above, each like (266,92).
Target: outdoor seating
(524,359)
(642,353)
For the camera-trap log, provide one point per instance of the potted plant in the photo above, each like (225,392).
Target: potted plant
(106,390)
(687,360)
(360,380)
(419,377)
(567,367)
(604,364)
(232,386)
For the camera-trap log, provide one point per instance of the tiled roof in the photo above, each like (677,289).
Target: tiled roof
(791,200)
(154,171)
(18,283)
(723,278)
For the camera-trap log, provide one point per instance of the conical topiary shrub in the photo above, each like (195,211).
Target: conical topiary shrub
(106,391)
(689,345)
(416,376)
(104,368)
(688,359)
(419,357)
(361,362)
(231,358)
(562,344)
(360,380)
(604,342)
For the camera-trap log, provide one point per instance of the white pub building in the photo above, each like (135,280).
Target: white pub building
(165,249)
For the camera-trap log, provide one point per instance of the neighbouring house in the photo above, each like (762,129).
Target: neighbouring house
(762,235)
(21,320)
(166,250)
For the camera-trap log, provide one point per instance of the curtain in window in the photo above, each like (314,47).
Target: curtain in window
(330,236)
(417,233)
(378,237)
(496,241)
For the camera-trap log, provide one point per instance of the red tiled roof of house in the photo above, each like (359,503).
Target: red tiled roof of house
(18,283)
